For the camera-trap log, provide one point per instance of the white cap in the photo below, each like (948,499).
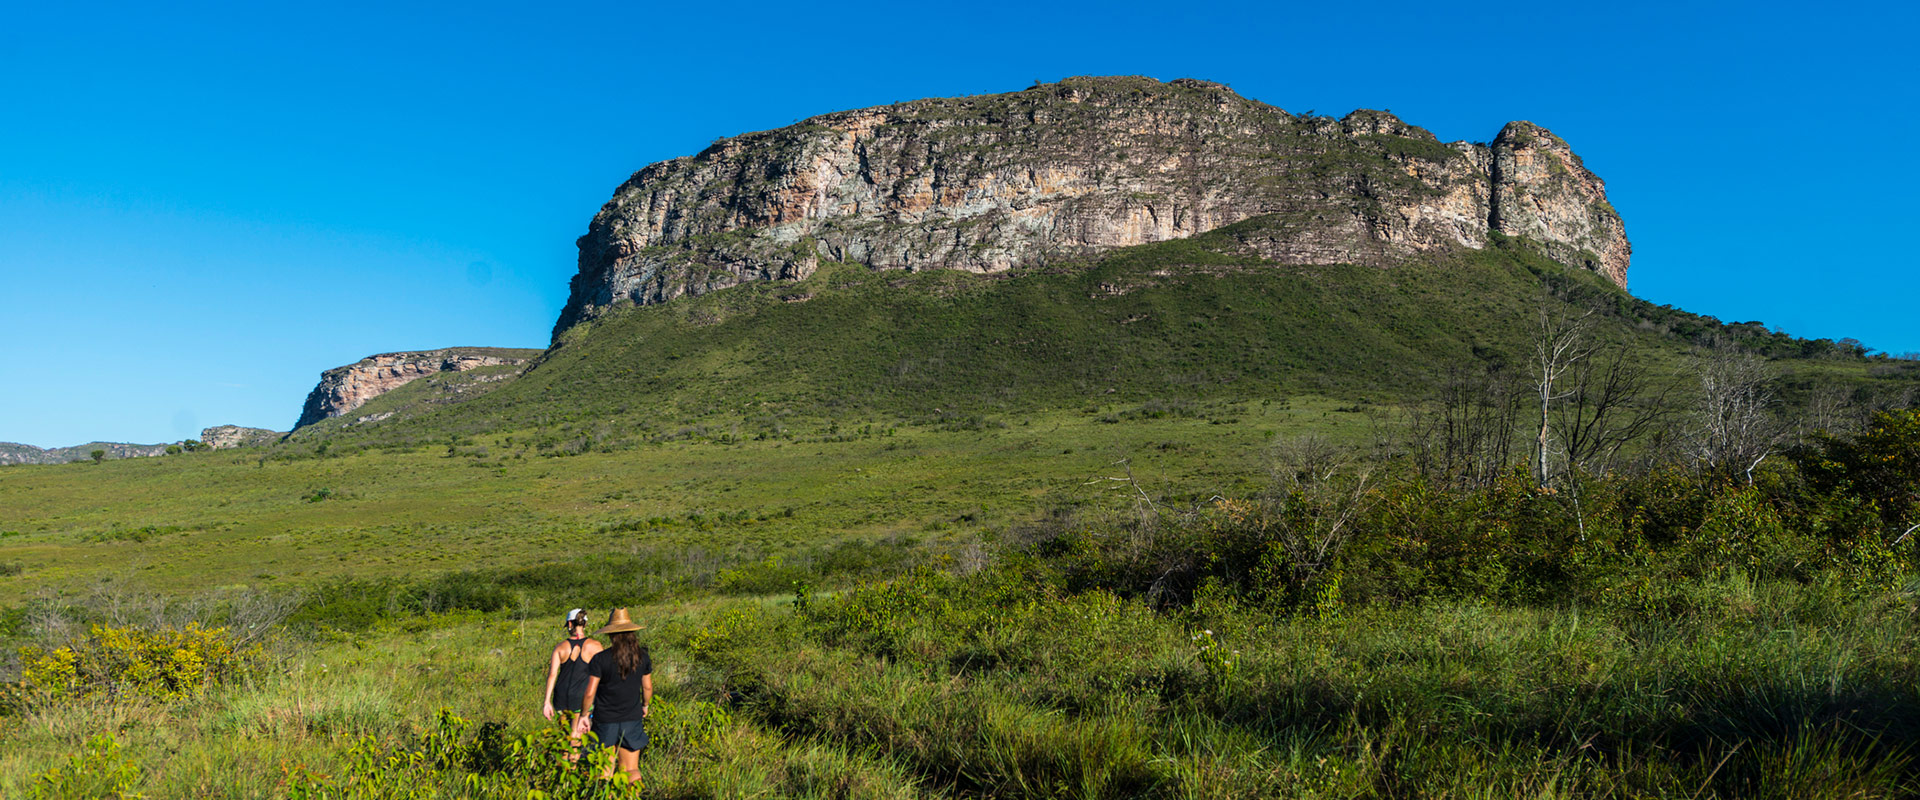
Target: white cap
(570,615)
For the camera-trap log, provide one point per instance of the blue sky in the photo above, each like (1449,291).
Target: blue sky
(202,207)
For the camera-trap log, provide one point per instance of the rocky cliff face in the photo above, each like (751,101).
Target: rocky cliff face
(1543,192)
(1061,170)
(343,389)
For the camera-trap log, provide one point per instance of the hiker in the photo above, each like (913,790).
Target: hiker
(619,692)
(567,672)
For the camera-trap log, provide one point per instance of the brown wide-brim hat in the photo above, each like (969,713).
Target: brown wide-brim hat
(620,622)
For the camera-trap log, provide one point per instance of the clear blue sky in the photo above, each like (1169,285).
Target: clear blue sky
(202,207)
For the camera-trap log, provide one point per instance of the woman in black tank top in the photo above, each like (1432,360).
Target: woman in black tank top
(567,672)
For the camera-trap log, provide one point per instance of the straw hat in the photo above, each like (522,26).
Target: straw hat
(619,623)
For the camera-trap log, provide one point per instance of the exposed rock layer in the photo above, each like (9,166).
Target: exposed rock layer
(222,437)
(993,182)
(343,389)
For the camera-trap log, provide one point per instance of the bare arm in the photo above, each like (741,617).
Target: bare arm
(646,695)
(553,674)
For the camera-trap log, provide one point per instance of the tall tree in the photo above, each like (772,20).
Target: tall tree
(1559,342)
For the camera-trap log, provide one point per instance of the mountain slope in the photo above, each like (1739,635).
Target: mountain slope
(1155,326)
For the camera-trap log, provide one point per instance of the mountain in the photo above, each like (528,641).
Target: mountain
(1067,170)
(1099,242)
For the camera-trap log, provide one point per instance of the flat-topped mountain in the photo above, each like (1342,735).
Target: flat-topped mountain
(1115,243)
(1068,170)
(343,389)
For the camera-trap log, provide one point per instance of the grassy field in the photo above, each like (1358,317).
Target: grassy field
(960,687)
(235,519)
(1015,626)
(1673,634)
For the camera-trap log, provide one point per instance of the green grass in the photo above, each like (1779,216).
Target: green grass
(1634,656)
(1091,696)
(236,518)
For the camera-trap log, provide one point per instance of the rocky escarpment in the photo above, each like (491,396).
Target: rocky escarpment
(343,389)
(222,437)
(1062,170)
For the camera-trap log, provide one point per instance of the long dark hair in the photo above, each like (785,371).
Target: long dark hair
(626,651)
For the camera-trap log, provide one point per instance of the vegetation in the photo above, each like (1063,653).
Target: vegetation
(1165,525)
(1670,632)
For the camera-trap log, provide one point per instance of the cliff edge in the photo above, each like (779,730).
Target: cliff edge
(1064,170)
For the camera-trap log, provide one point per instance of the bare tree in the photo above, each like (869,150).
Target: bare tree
(1313,503)
(1736,426)
(1463,436)
(1830,408)
(1611,400)
(1560,342)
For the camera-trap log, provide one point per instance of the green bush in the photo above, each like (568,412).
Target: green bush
(1880,465)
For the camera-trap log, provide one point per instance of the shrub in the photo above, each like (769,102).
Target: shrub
(1881,465)
(129,662)
(1743,531)
(470,761)
(768,576)
(345,604)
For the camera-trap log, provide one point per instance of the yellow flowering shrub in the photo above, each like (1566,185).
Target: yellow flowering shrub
(160,664)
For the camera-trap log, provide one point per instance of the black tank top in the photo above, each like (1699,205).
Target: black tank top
(570,686)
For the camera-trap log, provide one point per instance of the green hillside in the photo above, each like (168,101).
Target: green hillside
(1164,325)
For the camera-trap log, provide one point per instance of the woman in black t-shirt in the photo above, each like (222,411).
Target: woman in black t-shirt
(619,693)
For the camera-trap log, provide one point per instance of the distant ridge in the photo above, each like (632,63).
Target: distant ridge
(16,453)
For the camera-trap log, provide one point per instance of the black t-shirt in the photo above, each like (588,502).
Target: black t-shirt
(618,699)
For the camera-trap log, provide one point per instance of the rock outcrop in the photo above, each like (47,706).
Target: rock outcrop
(222,437)
(1543,192)
(343,389)
(1064,170)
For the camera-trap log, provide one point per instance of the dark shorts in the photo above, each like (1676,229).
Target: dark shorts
(630,735)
